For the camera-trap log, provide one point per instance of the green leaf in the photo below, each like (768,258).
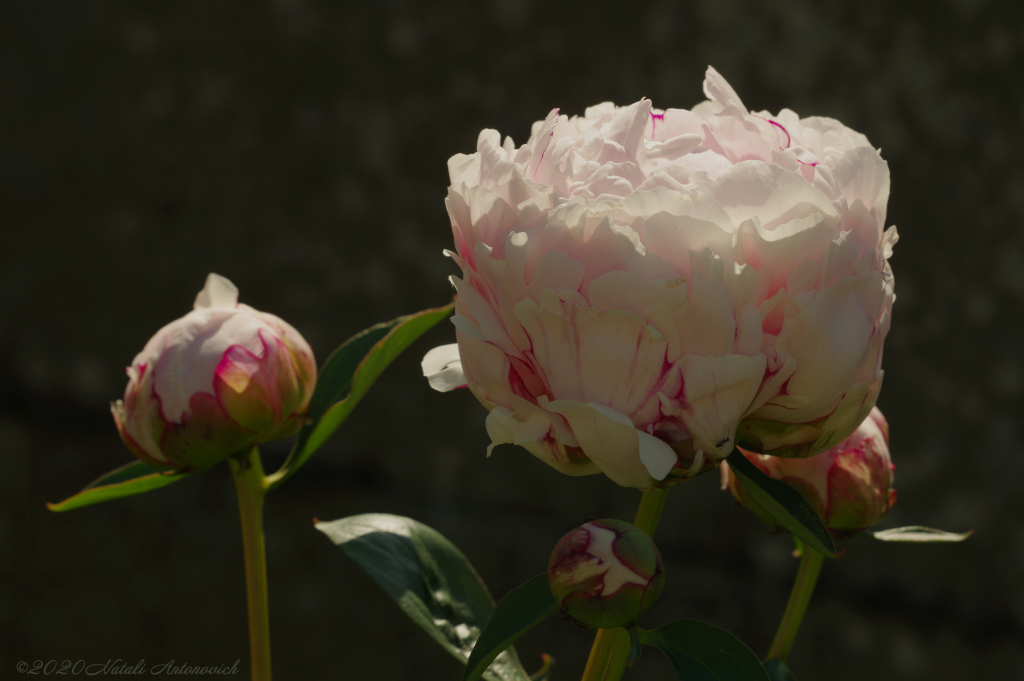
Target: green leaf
(778,671)
(429,578)
(133,478)
(784,504)
(915,534)
(522,608)
(702,652)
(346,376)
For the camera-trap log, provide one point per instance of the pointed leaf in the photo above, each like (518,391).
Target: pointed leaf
(778,671)
(133,478)
(783,503)
(700,651)
(916,534)
(429,578)
(522,608)
(346,376)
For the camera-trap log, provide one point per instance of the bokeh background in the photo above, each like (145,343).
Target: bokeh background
(299,147)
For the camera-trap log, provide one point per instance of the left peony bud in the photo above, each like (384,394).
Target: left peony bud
(606,573)
(221,379)
(850,485)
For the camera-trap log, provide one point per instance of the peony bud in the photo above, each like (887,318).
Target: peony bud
(221,379)
(850,485)
(606,573)
(643,289)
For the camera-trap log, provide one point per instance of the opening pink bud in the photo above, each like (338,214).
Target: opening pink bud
(606,573)
(850,485)
(221,379)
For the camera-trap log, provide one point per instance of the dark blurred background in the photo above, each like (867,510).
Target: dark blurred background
(299,147)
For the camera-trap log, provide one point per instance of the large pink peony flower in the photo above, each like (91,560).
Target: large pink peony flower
(219,380)
(642,289)
(850,485)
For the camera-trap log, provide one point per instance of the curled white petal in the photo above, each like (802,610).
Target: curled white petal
(503,427)
(609,439)
(443,368)
(656,455)
(218,292)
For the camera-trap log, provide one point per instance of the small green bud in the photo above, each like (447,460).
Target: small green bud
(606,573)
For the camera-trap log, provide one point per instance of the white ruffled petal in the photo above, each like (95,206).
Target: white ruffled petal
(830,339)
(754,189)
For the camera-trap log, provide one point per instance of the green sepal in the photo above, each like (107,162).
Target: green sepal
(429,578)
(916,534)
(635,648)
(784,504)
(522,608)
(700,651)
(778,671)
(544,673)
(133,478)
(347,375)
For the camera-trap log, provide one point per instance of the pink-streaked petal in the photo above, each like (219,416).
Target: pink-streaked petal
(583,354)
(716,393)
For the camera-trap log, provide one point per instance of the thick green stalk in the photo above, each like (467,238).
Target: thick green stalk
(649,512)
(610,653)
(803,587)
(251,486)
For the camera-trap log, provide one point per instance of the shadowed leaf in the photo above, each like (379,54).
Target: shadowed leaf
(520,610)
(783,503)
(133,478)
(429,578)
(702,652)
(778,671)
(348,374)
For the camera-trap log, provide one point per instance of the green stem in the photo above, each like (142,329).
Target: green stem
(649,512)
(803,587)
(251,486)
(610,653)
